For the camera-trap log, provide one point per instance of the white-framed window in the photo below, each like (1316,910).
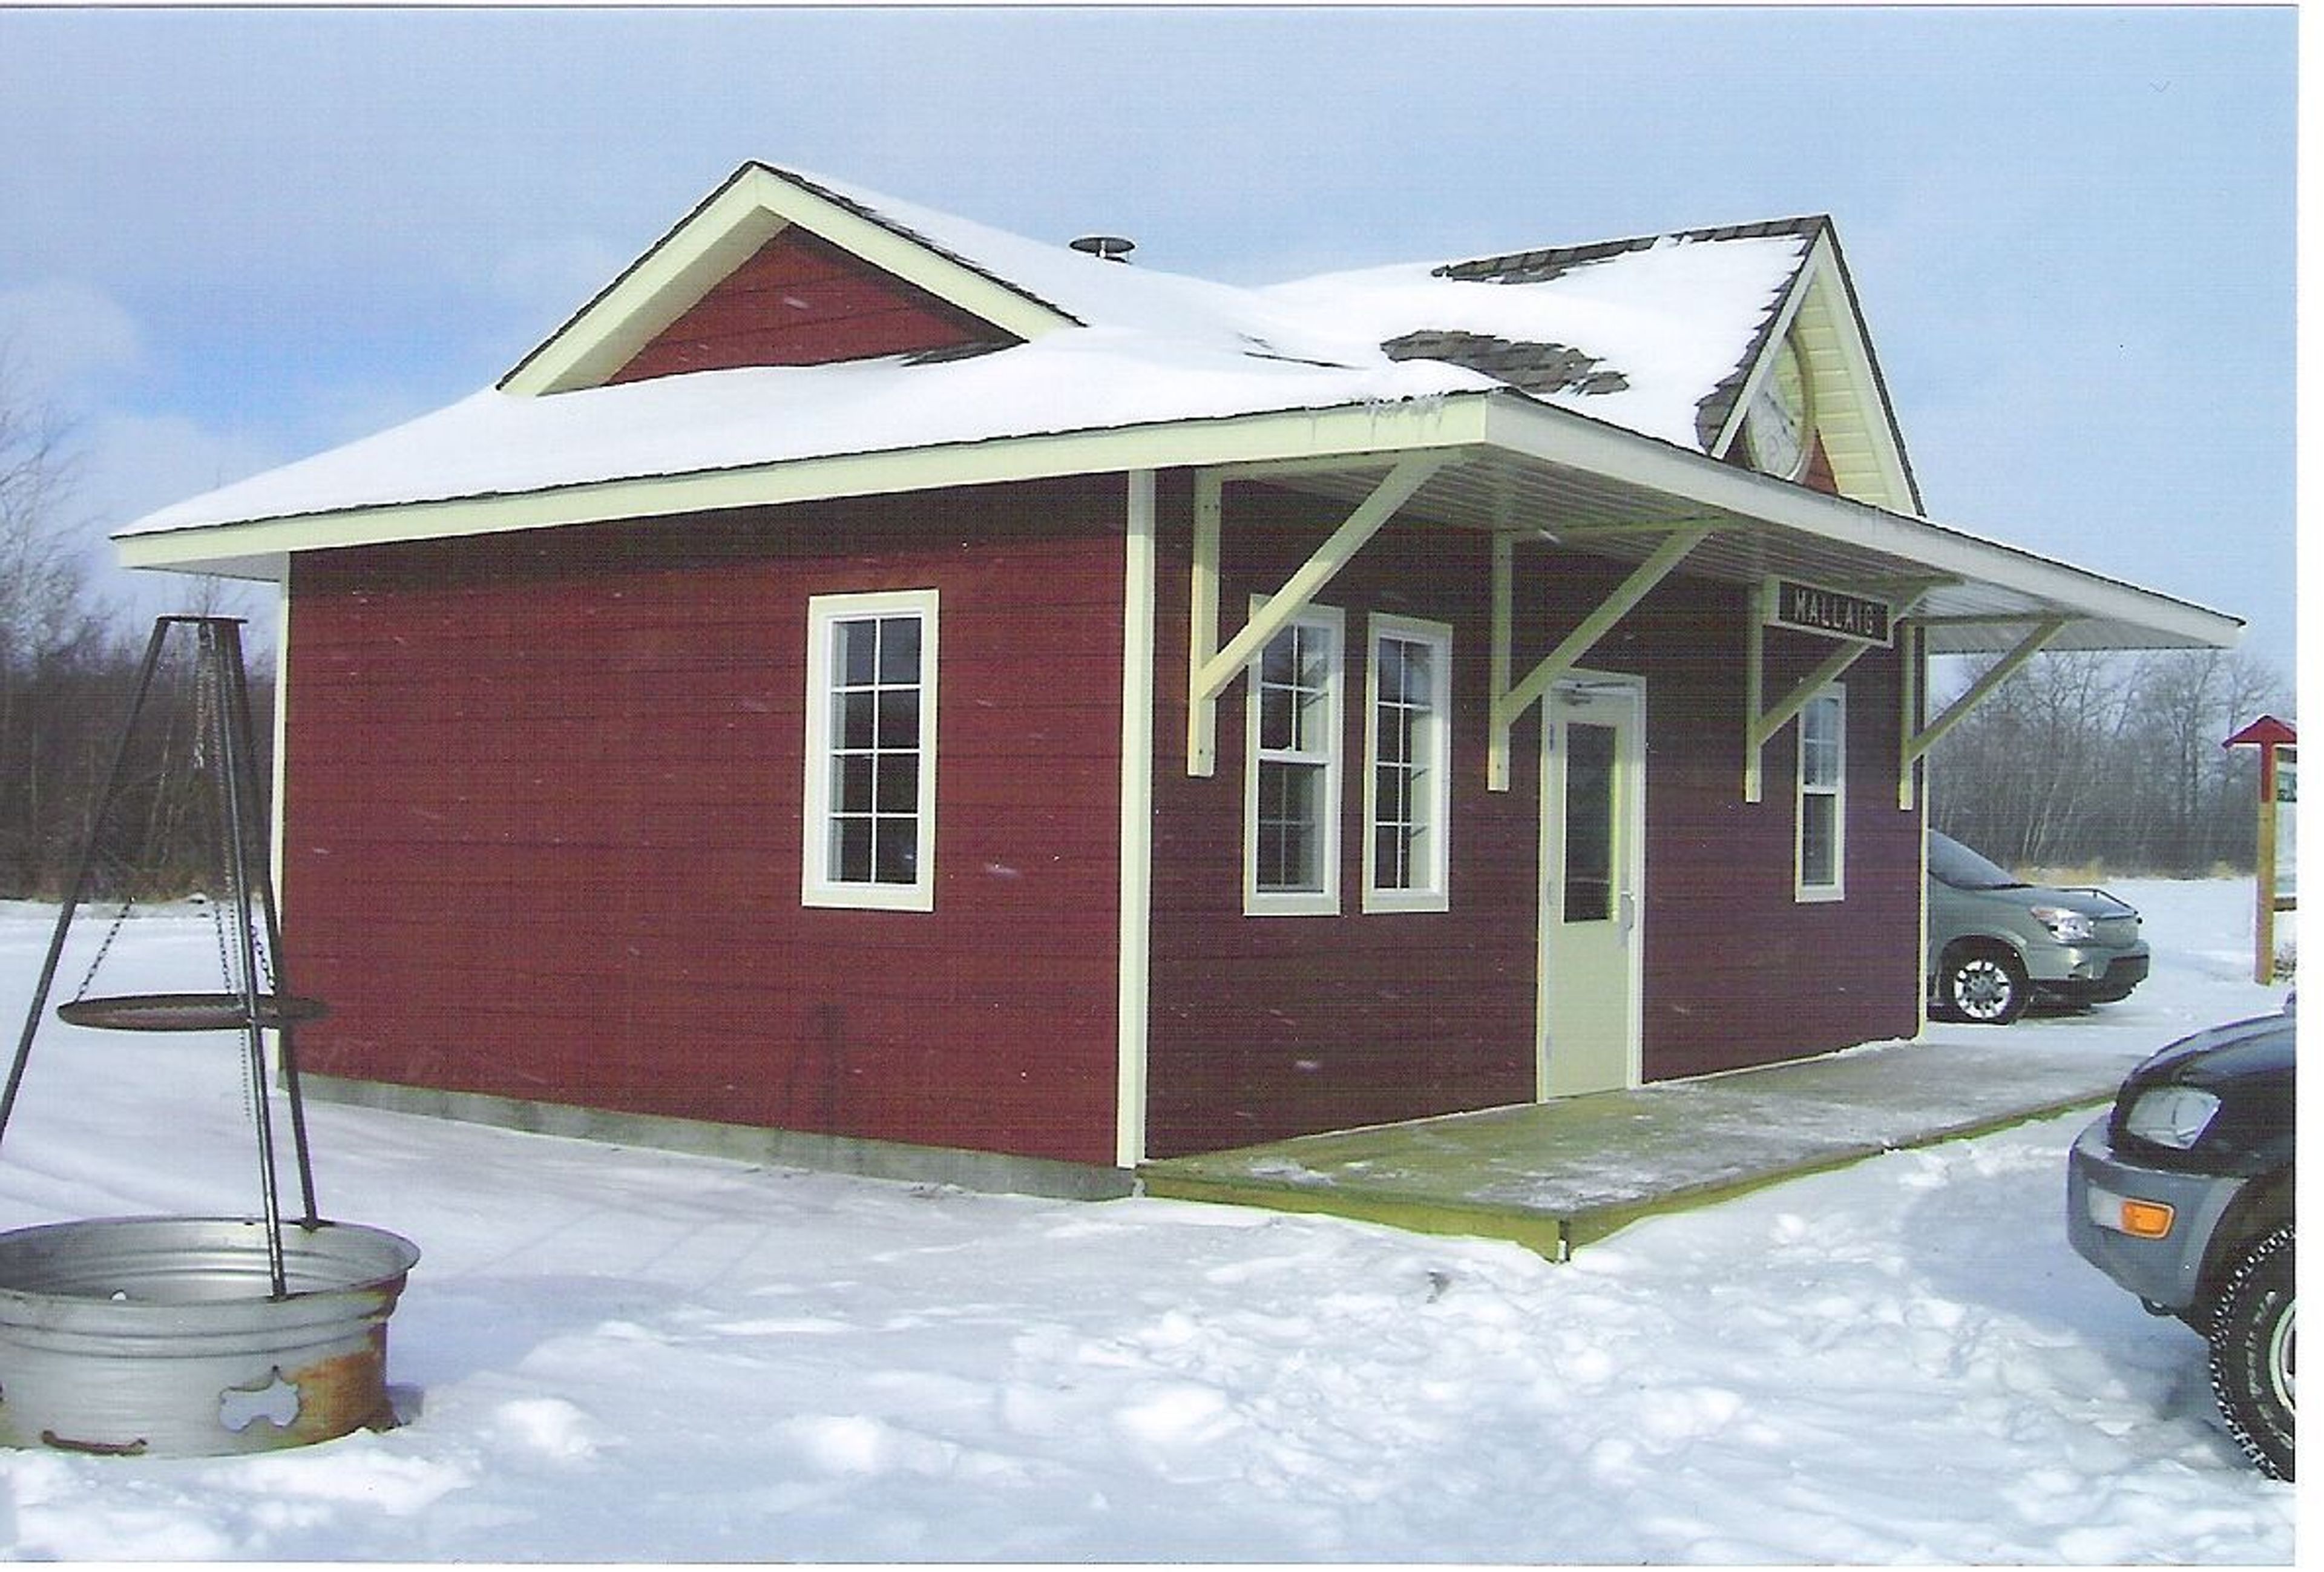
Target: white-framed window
(871,826)
(1822,839)
(1291,800)
(1407,757)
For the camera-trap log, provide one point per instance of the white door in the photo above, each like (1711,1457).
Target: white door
(1593,866)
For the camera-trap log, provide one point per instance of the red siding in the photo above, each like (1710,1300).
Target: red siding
(543,836)
(1262,1026)
(803,301)
(1265,1027)
(543,823)
(1737,971)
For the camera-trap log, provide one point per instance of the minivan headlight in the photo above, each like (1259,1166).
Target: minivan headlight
(2066,925)
(2172,1116)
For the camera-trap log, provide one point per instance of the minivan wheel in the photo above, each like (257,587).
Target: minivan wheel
(2252,1352)
(1988,986)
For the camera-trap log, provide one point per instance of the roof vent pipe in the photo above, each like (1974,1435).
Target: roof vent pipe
(1105,247)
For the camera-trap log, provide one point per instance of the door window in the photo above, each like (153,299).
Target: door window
(1587,891)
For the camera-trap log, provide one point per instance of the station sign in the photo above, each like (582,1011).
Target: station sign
(1835,613)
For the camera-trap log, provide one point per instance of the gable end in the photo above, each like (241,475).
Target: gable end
(729,231)
(801,301)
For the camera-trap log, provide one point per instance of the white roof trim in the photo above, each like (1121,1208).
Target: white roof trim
(1646,471)
(1939,549)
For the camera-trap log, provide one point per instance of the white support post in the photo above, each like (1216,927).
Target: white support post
(1911,681)
(1754,665)
(1203,636)
(1210,676)
(1135,917)
(1497,743)
(1514,701)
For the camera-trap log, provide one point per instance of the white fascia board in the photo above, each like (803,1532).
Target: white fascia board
(1509,421)
(1558,436)
(721,235)
(1785,311)
(1387,428)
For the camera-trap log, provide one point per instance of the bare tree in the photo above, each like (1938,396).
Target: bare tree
(2085,758)
(58,660)
(40,575)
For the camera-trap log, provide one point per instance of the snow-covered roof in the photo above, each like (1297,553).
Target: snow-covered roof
(1652,331)
(1597,388)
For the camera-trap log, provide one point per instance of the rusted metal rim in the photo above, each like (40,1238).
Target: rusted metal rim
(161,1335)
(190,1011)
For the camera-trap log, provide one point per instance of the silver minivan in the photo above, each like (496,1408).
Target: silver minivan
(1997,943)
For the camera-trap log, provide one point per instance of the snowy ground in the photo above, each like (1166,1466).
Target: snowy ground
(623,1355)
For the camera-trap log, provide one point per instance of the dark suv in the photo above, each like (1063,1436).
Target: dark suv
(2183,1195)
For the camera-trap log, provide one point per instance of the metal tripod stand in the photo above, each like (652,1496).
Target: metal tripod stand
(254,999)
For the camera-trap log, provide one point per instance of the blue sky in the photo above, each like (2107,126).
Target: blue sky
(228,238)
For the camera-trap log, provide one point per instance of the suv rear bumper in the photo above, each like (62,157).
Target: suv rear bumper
(2167,1271)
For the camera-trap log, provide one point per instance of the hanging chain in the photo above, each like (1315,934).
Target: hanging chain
(104,948)
(223,890)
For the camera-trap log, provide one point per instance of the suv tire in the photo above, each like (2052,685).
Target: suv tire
(1984,983)
(2252,1352)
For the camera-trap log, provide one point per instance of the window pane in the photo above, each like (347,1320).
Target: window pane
(853,719)
(899,783)
(1275,718)
(859,644)
(1588,892)
(899,718)
(1415,666)
(1289,830)
(1392,795)
(851,849)
(851,790)
(1307,722)
(1315,657)
(1279,663)
(900,650)
(1820,749)
(1295,691)
(1819,841)
(896,851)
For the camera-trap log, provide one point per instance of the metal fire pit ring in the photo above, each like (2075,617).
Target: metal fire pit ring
(161,1336)
(190,1011)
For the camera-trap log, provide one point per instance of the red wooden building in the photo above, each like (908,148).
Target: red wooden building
(874,688)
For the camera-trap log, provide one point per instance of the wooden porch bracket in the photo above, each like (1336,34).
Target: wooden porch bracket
(1511,701)
(1212,667)
(1918,743)
(1760,726)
